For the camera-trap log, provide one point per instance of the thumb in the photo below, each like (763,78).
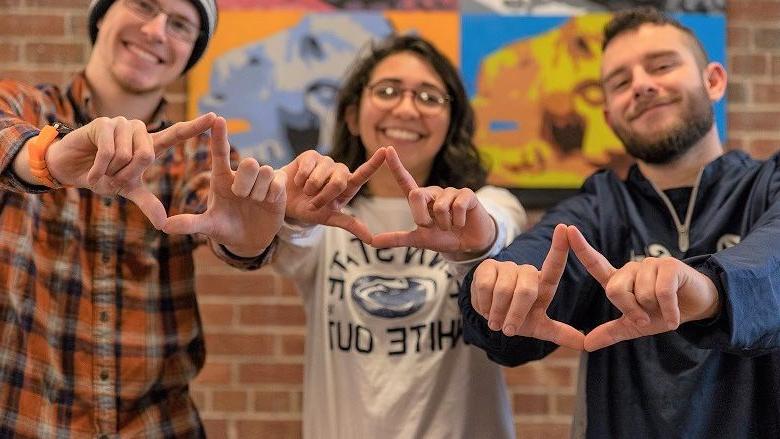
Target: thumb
(352,225)
(149,204)
(183,224)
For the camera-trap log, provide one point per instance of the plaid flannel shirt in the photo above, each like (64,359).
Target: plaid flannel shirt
(99,327)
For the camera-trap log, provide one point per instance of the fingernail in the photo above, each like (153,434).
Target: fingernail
(509,330)
(492,324)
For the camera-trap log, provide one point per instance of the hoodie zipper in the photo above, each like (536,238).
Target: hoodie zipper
(683,228)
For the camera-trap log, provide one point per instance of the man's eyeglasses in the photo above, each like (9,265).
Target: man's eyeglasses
(175,25)
(429,101)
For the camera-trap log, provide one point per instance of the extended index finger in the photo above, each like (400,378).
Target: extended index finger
(596,264)
(555,263)
(220,148)
(180,132)
(363,173)
(402,176)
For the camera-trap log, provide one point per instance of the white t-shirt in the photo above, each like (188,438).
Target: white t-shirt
(385,356)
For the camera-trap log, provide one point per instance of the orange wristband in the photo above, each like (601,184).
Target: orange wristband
(37,147)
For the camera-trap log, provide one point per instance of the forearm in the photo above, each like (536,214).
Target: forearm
(21,166)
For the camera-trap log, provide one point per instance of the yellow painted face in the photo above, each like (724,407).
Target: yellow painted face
(539,108)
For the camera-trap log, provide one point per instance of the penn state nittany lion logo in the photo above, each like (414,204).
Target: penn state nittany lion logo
(392,297)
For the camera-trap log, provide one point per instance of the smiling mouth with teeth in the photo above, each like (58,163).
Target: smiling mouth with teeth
(400,134)
(141,53)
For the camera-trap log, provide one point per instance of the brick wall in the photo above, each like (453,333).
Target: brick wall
(251,385)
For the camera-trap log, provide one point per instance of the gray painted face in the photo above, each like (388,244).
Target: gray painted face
(283,88)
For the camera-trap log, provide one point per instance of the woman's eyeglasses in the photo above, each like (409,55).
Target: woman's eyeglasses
(429,101)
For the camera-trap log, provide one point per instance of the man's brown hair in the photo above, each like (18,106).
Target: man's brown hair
(633,19)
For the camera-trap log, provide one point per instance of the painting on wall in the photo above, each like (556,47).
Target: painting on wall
(329,5)
(276,83)
(574,7)
(534,85)
(531,69)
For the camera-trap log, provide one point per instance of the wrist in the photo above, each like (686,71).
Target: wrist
(38,149)
(244,253)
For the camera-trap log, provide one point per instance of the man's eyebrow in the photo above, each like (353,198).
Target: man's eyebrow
(662,54)
(612,74)
(649,57)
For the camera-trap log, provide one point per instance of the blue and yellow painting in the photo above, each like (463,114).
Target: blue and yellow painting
(534,85)
(273,71)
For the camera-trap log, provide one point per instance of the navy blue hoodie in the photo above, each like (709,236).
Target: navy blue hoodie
(718,378)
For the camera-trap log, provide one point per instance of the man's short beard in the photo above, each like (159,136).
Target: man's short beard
(694,124)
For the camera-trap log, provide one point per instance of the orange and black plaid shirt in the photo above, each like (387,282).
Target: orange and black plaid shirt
(100,334)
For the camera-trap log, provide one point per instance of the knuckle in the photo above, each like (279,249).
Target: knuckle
(525,292)
(138,125)
(502,295)
(145,157)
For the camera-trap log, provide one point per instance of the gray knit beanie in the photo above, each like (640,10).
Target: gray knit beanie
(208,22)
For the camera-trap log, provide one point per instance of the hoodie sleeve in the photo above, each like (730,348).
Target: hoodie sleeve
(748,279)
(570,300)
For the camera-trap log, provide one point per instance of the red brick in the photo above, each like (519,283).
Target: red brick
(215,373)
(56,53)
(272,402)
(77,26)
(287,315)
(233,401)
(540,374)
(271,373)
(565,404)
(567,353)
(735,143)
(754,120)
(289,288)
(217,428)
(33,24)
(9,52)
(35,76)
(753,10)
(224,343)
(544,430)
(222,285)
(766,93)
(738,36)
(762,149)
(737,93)
(527,404)
(214,314)
(293,344)
(766,39)
(269,429)
(76,4)
(749,64)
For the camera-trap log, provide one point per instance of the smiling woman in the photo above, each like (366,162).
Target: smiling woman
(385,356)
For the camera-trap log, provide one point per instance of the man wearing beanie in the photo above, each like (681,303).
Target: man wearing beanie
(100,334)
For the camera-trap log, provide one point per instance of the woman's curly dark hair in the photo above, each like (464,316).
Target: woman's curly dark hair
(457,163)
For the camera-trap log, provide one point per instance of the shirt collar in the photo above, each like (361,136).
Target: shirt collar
(80,96)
